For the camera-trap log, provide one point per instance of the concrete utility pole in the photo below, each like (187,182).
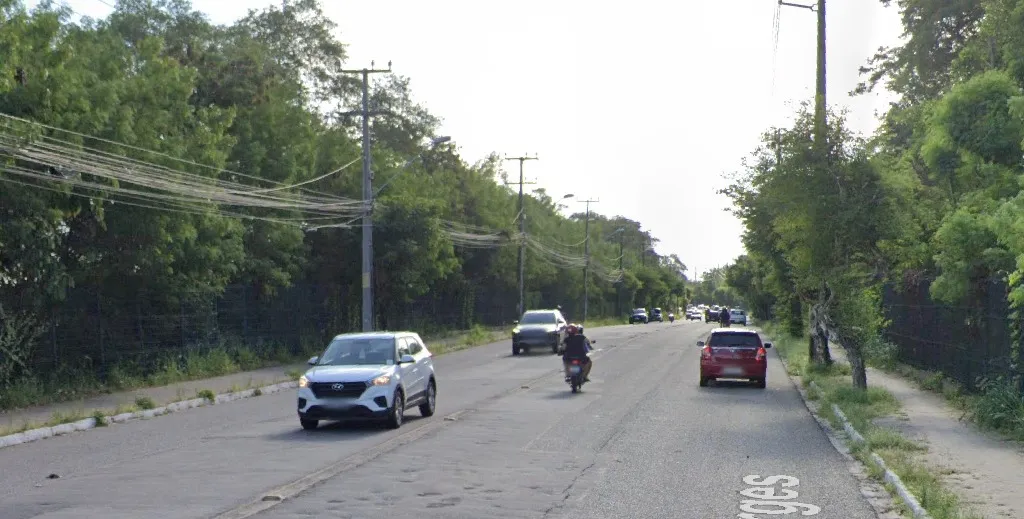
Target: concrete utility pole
(366,113)
(622,274)
(522,230)
(820,122)
(586,254)
(820,143)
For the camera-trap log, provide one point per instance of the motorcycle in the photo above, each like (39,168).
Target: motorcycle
(575,375)
(575,378)
(671,318)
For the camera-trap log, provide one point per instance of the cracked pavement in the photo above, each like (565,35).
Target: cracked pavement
(642,441)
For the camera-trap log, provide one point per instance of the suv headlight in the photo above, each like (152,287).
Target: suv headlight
(382,380)
(303,381)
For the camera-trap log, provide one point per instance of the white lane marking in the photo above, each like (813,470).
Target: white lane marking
(764,494)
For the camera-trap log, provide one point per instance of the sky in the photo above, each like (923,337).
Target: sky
(644,105)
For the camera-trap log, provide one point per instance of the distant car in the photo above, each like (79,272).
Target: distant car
(375,375)
(737,316)
(656,315)
(733,353)
(711,316)
(639,316)
(539,329)
(693,314)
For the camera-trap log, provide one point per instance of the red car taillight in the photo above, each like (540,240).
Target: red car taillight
(761,353)
(705,352)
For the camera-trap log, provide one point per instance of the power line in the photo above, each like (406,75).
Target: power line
(522,230)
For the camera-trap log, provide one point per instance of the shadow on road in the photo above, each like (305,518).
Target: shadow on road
(564,395)
(731,384)
(334,431)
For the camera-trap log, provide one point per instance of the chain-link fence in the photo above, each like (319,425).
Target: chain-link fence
(93,331)
(966,343)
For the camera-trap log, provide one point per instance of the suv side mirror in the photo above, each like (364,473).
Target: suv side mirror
(407,359)
(700,344)
(313,360)
(767,345)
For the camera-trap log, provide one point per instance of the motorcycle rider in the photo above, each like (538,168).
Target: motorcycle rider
(577,346)
(724,316)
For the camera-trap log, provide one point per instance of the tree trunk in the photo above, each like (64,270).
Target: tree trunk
(825,353)
(856,357)
(812,335)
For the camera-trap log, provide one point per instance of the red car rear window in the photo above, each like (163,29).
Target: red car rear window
(734,340)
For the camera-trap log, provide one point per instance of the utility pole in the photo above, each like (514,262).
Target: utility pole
(366,113)
(820,148)
(522,230)
(586,255)
(622,275)
(820,123)
(778,149)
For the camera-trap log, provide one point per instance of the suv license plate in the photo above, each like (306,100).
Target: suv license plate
(732,371)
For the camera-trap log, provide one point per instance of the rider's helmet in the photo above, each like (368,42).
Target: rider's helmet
(572,329)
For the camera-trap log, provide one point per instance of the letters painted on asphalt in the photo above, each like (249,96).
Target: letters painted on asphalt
(766,499)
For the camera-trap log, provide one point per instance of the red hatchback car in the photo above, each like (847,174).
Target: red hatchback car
(734,353)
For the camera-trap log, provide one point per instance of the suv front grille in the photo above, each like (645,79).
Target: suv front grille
(344,389)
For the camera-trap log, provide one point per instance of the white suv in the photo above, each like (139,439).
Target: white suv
(375,375)
(737,317)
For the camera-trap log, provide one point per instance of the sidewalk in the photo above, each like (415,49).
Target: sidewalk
(160,395)
(986,471)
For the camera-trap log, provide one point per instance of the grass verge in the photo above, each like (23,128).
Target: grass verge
(864,409)
(196,366)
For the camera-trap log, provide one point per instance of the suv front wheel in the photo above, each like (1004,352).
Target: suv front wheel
(397,414)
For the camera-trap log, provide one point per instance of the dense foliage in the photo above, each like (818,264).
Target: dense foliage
(258,106)
(935,194)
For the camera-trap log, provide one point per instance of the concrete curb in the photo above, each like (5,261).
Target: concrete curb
(889,476)
(41,433)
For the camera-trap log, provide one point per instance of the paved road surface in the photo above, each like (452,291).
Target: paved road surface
(642,440)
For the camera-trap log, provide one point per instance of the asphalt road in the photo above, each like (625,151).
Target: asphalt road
(642,440)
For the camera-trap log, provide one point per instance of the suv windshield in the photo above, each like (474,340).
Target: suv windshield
(538,318)
(362,351)
(734,340)
(639,311)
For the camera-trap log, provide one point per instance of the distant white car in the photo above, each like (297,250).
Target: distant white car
(375,375)
(737,317)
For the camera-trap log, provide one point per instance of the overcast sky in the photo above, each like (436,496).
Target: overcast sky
(643,105)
